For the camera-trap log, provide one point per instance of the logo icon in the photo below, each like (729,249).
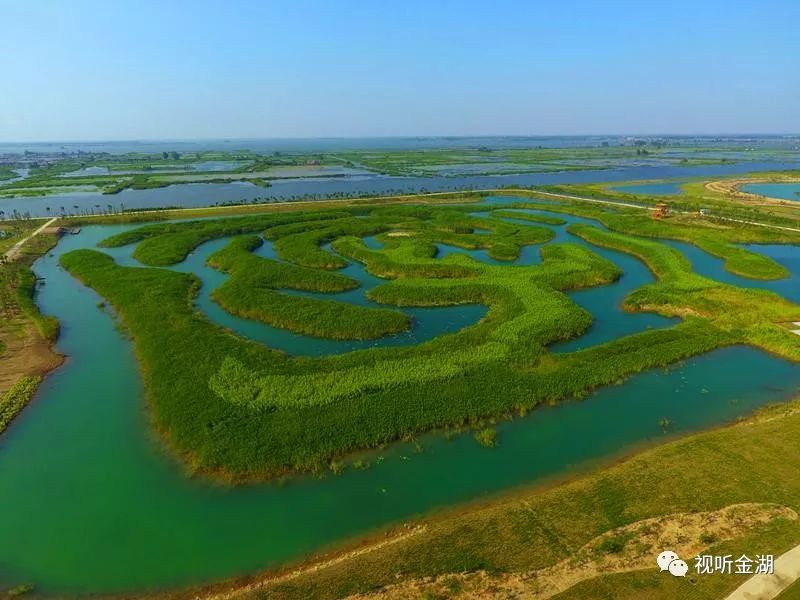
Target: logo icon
(669,561)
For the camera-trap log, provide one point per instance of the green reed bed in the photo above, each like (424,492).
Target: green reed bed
(758,317)
(238,408)
(720,239)
(169,243)
(251,292)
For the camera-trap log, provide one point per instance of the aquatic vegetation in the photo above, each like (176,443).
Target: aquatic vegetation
(300,243)
(251,292)
(169,243)
(721,239)
(241,409)
(15,399)
(534,218)
(486,437)
(755,315)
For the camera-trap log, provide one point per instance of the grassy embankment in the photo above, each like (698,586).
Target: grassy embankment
(291,205)
(294,413)
(26,336)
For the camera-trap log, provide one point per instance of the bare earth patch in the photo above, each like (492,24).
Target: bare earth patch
(630,548)
(26,354)
(730,187)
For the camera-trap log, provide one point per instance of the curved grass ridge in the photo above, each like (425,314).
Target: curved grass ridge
(757,315)
(233,406)
(250,292)
(164,244)
(721,241)
(534,218)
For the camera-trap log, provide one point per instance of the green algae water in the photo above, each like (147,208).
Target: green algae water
(90,503)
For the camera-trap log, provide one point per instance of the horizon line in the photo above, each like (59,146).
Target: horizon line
(787,134)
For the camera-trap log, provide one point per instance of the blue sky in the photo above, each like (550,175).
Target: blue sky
(90,69)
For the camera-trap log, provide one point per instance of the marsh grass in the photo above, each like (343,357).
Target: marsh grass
(15,399)
(235,407)
(252,291)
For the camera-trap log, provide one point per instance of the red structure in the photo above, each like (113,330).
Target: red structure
(660,211)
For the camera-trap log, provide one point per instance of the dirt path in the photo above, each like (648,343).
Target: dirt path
(732,187)
(766,587)
(637,545)
(13,253)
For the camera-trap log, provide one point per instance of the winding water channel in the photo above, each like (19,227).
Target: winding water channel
(89,502)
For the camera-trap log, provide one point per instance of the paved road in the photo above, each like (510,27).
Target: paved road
(766,587)
(13,253)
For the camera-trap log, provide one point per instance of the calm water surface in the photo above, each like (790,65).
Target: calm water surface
(210,194)
(785,191)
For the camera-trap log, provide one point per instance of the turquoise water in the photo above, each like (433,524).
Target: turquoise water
(710,266)
(785,191)
(89,502)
